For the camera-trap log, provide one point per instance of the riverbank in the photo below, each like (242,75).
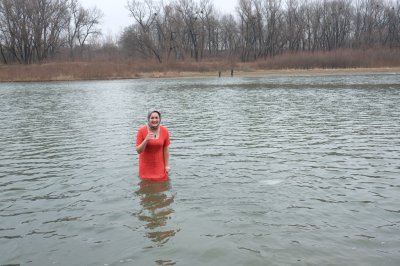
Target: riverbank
(279,72)
(109,71)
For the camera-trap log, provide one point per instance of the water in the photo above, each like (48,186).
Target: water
(265,171)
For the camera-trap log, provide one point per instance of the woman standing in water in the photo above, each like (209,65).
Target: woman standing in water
(152,145)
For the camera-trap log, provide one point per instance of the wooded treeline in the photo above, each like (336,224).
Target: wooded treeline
(35,30)
(263,28)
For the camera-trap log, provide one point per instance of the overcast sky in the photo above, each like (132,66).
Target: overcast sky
(116,16)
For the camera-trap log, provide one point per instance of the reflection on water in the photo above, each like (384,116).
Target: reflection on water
(156,209)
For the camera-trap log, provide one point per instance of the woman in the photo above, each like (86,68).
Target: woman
(152,145)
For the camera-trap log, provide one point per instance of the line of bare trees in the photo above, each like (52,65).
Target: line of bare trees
(37,30)
(34,30)
(263,28)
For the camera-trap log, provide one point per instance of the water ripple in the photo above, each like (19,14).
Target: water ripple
(278,170)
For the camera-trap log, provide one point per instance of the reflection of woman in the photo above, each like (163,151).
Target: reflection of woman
(152,144)
(156,209)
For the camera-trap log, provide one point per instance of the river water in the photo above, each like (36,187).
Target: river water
(301,170)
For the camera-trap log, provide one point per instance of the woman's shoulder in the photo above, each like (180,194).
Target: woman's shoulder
(143,128)
(164,128)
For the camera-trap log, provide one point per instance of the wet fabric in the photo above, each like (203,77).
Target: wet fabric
(151,160)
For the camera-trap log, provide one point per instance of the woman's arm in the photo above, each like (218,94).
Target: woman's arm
(140,148)
(166,159)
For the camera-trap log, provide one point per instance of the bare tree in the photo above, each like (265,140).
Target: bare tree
(247,29)
(83,24)
(189,13)
(145,14)
(369,22)
(31,29)
(49,19)
(16,30)
(295,25)
(229,36)
(336,24)
(274,27)
(392,31)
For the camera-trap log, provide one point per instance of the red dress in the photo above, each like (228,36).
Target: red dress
(151,160)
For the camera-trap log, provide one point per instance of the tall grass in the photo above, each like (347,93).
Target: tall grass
(119,69)
(64,71)
(103,70)
(347,58)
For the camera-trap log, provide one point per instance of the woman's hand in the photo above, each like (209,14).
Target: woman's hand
(150,136)
(167,168)
(140,148)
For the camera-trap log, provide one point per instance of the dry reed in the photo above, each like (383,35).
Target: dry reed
(91,70)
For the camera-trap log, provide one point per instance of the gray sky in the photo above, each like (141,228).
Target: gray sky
(116,16)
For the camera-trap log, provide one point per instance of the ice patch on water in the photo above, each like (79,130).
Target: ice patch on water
(271,182)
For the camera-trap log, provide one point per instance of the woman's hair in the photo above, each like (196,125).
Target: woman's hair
(153,111)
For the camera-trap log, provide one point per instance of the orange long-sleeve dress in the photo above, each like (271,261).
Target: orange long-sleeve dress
(151,160)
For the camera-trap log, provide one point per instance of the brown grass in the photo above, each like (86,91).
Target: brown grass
(286,63)
(332,60)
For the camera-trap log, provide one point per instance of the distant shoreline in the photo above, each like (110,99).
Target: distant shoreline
(87,72)
(280,72)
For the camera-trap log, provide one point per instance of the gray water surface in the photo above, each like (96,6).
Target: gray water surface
(265,171)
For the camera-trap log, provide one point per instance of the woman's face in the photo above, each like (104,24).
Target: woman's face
(154,120)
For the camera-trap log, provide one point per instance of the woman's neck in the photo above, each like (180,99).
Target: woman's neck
(153,129)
